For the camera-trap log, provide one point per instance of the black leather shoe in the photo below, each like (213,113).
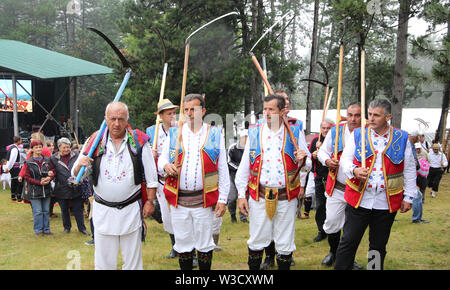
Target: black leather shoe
(357,266)
(329,259)
(320,236)
(269,262)
(172,254)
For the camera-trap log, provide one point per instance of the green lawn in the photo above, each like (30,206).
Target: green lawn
(411,246)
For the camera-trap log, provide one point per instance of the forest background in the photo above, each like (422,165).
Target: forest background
(407,67)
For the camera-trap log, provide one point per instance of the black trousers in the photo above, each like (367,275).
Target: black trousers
(356,222)
(232,198)
(16,186)
(321,203)
(434,178)
(77,209)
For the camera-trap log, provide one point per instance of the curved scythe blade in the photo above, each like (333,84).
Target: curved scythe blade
(156,30)
(270,29)
(314,81)
(325,71)
(123,60)
(214,20)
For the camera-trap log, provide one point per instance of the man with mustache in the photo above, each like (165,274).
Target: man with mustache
(375,193)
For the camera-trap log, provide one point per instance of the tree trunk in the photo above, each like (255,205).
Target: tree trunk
(294,31)
(245,50)
(312,67)
(400,63)
(442,122)
(440,132)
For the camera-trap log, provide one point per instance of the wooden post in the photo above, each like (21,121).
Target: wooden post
(15,114)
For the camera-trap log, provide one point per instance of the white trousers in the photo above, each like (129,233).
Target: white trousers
(107,250)
(310,186)
(165,211)
(281,229)
(193,228)
(335,212)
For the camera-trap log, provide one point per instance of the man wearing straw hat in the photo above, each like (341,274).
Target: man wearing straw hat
(268,165)
(376,192)
(198,190)
(167,118)
(438,162)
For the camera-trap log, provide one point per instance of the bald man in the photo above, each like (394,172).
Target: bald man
(119,164)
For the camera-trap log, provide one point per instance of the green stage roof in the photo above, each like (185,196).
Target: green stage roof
(29,60)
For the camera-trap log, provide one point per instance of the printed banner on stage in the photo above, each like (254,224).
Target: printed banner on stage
(24,101)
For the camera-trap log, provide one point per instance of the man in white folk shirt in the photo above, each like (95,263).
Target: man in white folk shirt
(268,164)
(438,162)
(120,162)
(374,194)
(335,185)
(198,193)
(167,115)
(13,167)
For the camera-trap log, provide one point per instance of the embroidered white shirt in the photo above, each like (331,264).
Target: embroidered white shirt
(272,168)
(116,184)
(191,175)
(162,137)
(325,153)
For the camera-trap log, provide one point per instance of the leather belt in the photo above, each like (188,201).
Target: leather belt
(161,179)
(282,194)
(119,205)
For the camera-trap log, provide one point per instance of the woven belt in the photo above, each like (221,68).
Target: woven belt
(190,192)
(339,186)
(190,198)
(282,194)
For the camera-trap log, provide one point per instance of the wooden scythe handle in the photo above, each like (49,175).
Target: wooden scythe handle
(183,93)
(285,122)
(363,108)
(338,108)
(161,97)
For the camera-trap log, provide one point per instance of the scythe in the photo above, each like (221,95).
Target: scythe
(183,85)
(127,67)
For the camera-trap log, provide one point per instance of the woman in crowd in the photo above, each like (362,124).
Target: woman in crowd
(65,193)
(38,173)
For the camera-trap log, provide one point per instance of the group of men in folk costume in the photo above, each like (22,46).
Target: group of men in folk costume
(194,193)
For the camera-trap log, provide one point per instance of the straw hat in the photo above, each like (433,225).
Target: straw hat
(165,104)
(436,145)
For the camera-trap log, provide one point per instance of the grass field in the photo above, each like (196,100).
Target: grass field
(410,247)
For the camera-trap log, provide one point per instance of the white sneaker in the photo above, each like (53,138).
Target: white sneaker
(433,194)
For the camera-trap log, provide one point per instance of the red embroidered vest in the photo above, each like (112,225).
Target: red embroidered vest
(393,165)
(332,174)
(289,163)
(210,175)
